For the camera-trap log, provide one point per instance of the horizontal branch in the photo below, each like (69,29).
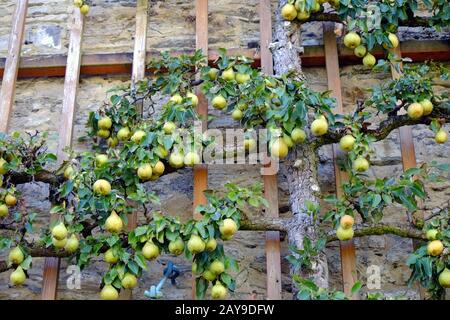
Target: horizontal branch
(388,125)
(416,21)
(41,176)
(379,229)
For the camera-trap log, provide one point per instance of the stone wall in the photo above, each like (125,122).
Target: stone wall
(109,28)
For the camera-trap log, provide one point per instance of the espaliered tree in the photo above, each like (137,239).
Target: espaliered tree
(94,192)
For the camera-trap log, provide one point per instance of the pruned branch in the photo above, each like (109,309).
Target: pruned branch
(387,126)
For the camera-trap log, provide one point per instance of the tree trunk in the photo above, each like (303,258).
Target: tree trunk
(301,165)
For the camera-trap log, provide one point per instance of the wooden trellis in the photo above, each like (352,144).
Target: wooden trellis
(75,63)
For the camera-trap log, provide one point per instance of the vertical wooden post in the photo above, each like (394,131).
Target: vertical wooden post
(273,258)
(407,150)
(200,171)
(347,248)
(51,265)
(12,64)
(138,73)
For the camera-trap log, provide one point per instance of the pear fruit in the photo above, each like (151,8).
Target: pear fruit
(161,152)
(228,227)
(347,221)
(288,12)
(217,267)
(110,257)
(427,106)
(176,160)
(288,140)
(435,248)
(78,3)
(344,234)
(113,223)
(84,9)
(109,293)
(59,231)
(102,187)
(169,127)
(219,102)
(250,144)
(59,244)
(105,123)
(123,134)
(145,171)
(209,275)
(3,169)
(242,78)
(138,136)
(415,110)
(129,281)
(176,247)
(393,39)
(228,74)
(196,244)
(101,160)
(103,133)
(159,168)
(72,244)
(150,250)
(360,51)
(319,127)
(211,245)
(298,135)
(18,277)
(352,40)
(69,172)
(369,60)
(193,97)
(279,148)
(10,200)
(444,278)
(360,164)
(441,137)
(16,256)
(4,211)
(191,159)
(112,142)
(431,234)
(212,74)
(218,291)
(236,114)
(303,15)
(347,142)
(176,98)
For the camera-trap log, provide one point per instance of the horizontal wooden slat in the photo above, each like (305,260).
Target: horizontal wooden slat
(120,63)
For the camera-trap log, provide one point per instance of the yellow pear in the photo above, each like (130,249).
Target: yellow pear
(288,12)
(444,278)
(105,123)
(431,234)
(123,134)
(112,142)
(347,221)
(101,160)
(347,142)
(212,73)
(109,293)
(129,281)
(237,114)
(3,164)
(242,78)
(72,244)
(279,148)
(352,40)
(145,171)
(393,40)
(211,244)
(319,127)
(158,169)
(303,15)
(209,275)
(228,227)
(250,144)
(17,277)
(176,98)
(84,9)
(288,140)
(169,127)
(196,244)
(59,231)
(150,250)
(10,200)
(4,211)
(298,135)
(361,164)
(415,110)
(138,136)
(176,247)
(344,234)
(218,291)
(69,172)
(217,267)
(427,106)
(369,60)
(16,256)
(219,102)
(228,75)
(194,99)
(59,244)
(435,248)
(78,3)
(113,223)
(176,160)
(441,137)
(360,51)
(103,133)
(110,257)
(191,159)
(102,187)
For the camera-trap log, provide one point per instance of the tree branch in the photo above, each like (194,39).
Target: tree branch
(388,125)
(379,229)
